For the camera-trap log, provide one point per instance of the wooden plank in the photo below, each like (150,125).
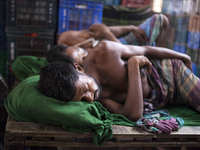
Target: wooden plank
(45,130)
(23,129)
(39,134)
(113,144)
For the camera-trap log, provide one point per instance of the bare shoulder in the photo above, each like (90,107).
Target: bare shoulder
(107,47)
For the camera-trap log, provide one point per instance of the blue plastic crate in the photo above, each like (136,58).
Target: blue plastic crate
(78,14)
(183,22)
(180,48)
(193,40)
(181,36)
(196,69)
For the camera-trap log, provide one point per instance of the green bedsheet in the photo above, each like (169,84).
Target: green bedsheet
(191,118)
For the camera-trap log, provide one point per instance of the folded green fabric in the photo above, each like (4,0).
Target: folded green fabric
(26,103)
(26,66)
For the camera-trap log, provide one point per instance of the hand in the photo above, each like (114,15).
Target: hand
(187,61)
(142,62)
(99,31)
(140,34)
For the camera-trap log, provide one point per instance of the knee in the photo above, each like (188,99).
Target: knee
(165,23)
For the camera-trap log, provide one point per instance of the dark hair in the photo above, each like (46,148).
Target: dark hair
(56,54)
(57,81)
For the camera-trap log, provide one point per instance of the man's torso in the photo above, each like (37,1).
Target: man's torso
(112,76)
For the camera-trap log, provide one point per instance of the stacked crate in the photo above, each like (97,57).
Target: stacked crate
(30,27)
(193,42)
(3,52)
(78,14)
(185,22)
(181,33)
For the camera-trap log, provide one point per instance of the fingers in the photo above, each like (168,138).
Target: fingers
(141,35)
(144,36)
(149,67)
(146,63)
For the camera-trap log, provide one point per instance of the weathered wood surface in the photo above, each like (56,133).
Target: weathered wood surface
(38,134)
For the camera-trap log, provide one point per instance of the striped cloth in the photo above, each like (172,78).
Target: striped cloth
(151,27)
(174,84)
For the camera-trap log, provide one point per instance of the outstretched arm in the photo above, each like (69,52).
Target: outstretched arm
(122,30)
(111,33)
(126,51)
(102,32)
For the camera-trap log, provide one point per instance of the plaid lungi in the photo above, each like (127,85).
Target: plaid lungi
(174,83)
(151,27)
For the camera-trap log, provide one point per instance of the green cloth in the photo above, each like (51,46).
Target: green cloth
(26,66)
(26,103)
(191,117)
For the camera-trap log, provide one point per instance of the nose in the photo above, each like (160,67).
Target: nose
(89,96)
(96,95)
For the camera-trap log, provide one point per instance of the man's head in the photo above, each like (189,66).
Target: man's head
(66,82)
(72,38)
(64,53)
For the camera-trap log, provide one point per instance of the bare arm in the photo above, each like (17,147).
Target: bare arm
(133,106)
(126,51)
(102,32)
(162,53)
(122,30)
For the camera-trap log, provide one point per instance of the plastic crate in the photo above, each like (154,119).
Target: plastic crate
(196,69)
(183,22)
(3,60)
(78,14)
(194,54)
(28,43)
(180,48)
(2,37)
(112,2)
(2,10)
(34,14)
(2,26)
(193,40)
(181,36)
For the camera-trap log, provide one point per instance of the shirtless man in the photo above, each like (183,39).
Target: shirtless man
(122,76)
(150,31)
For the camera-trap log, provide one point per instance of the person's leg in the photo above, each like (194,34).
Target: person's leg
(187,84)
(154,27)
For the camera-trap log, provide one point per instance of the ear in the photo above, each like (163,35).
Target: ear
(78,68)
